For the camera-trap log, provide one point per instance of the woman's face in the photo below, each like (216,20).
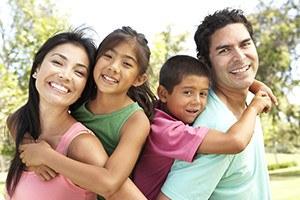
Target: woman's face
(62,75)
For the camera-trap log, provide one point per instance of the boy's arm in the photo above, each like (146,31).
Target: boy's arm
(258,85)
(239,134)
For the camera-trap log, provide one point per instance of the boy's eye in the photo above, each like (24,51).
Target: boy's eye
(203,94)
(188,93)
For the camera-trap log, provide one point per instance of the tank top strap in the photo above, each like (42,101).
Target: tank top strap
(75,130)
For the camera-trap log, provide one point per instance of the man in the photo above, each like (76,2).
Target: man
(225,41)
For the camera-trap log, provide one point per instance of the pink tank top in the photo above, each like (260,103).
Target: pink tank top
(30,187)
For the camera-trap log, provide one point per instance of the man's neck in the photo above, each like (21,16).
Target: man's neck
(235,100)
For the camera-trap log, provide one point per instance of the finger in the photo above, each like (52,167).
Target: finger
(274,99)
(51,172)
(45,175)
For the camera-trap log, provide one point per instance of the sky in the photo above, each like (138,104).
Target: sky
(149,17)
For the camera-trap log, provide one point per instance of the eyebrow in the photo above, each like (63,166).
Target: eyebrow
(226,45)
(125,55)
(65,58)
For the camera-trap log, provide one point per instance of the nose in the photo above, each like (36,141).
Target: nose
(239,54)
(197,100)
(65,74)
(114,66)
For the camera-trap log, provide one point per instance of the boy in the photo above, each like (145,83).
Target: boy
(183,89)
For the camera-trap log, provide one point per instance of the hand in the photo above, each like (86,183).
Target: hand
(260,86)
(32,154)
(261,102)
(43,172)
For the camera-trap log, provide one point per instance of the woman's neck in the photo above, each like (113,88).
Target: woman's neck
(55,120)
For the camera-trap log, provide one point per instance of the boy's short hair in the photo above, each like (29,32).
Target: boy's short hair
(176,67)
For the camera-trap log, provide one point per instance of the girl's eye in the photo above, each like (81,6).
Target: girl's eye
(127,64)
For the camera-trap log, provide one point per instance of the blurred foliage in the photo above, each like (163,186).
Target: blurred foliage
(28,24)
(166,44)
(277,32)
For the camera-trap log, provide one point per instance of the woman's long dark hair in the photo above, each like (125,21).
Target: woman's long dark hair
(141,94)
(26,120)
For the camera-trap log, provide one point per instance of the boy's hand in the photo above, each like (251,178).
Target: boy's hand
(260,86)
(261,102)
(32,154)
(43,172)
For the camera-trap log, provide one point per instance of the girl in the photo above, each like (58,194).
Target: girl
(117,112)
(59,76)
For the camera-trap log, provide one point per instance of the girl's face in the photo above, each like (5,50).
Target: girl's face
(117,70)
(188,99)
(62,75)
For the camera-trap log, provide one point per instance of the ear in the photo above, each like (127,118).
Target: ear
(140,80)
(162,93)
(34,75)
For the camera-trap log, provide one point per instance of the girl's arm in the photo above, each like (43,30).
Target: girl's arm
(258,85)
(102,180)
(239,134)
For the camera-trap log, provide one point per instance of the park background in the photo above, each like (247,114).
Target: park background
(169,26)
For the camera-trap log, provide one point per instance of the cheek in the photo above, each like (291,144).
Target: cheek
(80,84)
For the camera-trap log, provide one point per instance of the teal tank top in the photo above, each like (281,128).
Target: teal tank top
(106,127)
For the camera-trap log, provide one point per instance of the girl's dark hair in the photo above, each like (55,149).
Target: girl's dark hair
(141,94)
(214,22)
(177,67)
(26,120)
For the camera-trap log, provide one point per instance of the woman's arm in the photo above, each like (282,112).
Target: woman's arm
(102,180)
(239,134)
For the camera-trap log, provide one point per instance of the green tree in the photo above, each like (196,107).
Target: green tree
(165,45)
(28,25)
(277,30)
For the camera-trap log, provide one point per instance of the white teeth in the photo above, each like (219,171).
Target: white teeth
(59,87)
(245,68)
(109,79)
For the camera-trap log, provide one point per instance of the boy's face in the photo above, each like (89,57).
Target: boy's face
(188,98)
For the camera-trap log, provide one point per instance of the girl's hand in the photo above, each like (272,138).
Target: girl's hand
(43,172)
(260,86)
(33,154)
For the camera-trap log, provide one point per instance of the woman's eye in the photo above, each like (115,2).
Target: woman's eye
(55,62)
(106,55)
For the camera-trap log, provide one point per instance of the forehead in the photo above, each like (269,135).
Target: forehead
(229,35)
(194,81)
(125,49)
(71,52)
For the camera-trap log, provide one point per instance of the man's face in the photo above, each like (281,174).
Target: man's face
(233,57)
